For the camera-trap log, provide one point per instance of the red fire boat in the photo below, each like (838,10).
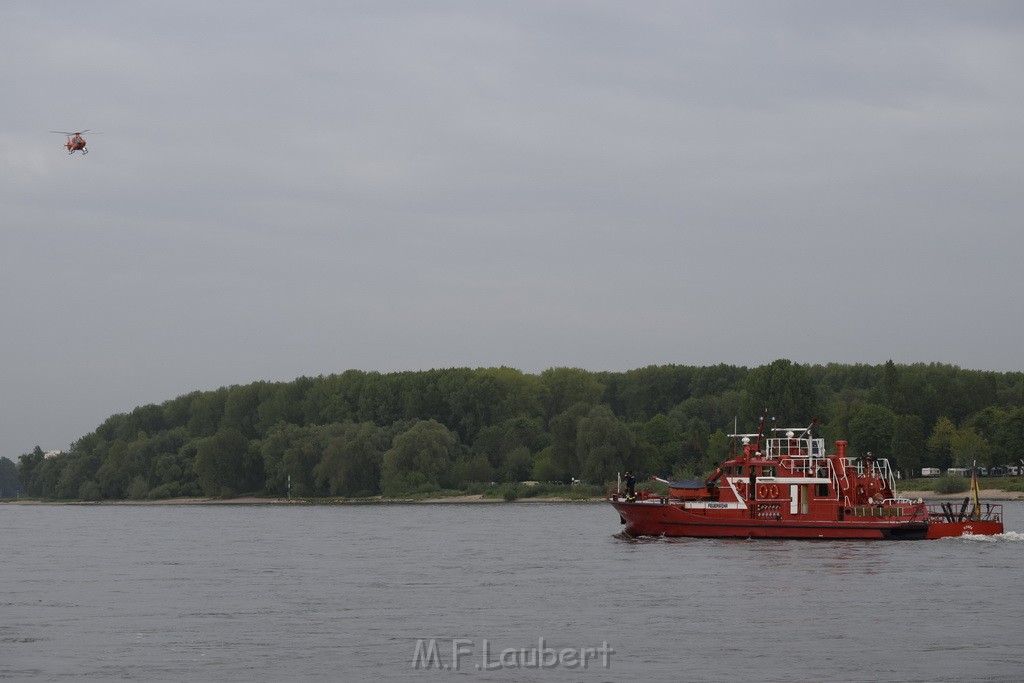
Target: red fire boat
(786,486)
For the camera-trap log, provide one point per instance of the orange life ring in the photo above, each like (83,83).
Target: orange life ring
(762,491)
(773,491)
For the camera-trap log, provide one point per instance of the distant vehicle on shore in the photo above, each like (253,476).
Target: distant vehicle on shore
(930,471)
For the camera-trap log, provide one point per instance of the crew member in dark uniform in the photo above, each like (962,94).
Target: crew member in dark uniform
(630,486)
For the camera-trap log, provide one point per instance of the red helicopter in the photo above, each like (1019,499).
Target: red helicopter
(75,141)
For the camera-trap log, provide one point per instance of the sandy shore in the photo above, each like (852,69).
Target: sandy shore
(985,494)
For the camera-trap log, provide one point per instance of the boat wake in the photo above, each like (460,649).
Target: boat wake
(995,538)
(623,536)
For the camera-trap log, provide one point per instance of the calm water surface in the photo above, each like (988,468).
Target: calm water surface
(346,593)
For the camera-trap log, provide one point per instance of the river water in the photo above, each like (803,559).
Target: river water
(489,592)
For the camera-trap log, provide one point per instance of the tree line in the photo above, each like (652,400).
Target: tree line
(360,433)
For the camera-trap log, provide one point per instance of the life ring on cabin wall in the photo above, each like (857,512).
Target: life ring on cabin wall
(762,491)
(773,491)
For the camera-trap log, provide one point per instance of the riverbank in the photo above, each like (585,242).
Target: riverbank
(991,495)
(255,500)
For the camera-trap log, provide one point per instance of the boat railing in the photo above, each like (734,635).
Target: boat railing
(780,447)
(890,507)
(871,467)
(818,467)
(966,511)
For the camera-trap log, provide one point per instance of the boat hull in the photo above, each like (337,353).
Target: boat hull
(666,519)
(965,528)
(949,520)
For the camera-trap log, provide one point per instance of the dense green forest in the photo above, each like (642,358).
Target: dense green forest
(365,433)
(9,482)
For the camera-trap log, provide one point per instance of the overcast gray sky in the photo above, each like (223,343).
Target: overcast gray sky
(299,188)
